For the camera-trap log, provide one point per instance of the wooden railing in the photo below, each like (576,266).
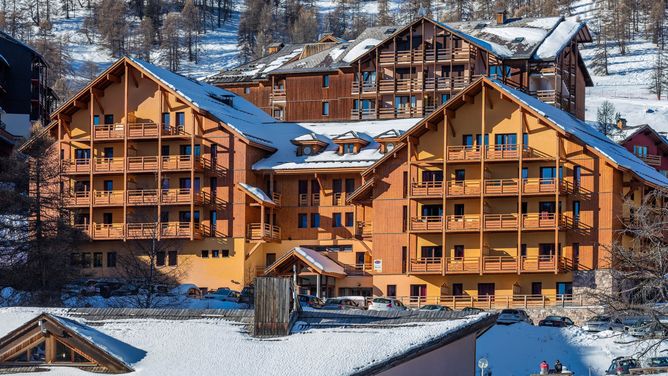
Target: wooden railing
(259,231)
(539,185)
(499,264)
(500,221)
(501,186)
(173,130)
(108,131)
(493,152)
(142,196)
(462,223)
(650,159)
(181,162)
(180,196)
(463,187)
(462,265)
(497,301)
(463,153)
(315,199)
(81,198)
(302,199)
(417,55)
(546,263)
(503,264)
(145,129)
(502,151)
(110,231)
(358,269)
(146,230)
(76,165)
(103,198)
(142,163)
(109,164)
(539,221)
(367,87)
(363,113)
(426,265)
(426,223)
(278,95)
(338,198)
(427,188)
(547,96)
(364,229)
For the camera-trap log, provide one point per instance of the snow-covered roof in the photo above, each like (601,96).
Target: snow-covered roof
(286,158)
(174,347)
(590,136)
(242,116)
(392,133)
(558,39)
(311,137)
(121,351)
(259,69)
(257,194)
(321,262)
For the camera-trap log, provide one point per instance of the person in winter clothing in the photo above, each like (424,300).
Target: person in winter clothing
(558,367)
(544,368)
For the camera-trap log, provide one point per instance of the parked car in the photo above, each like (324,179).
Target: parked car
(310,301)
(658,362)
(434,308)
(105,288)
(513,316)
(647,328)
(224,294)
(187,290)
(557,321)
(472,310)
(602,322)
(386,304)
(622,366)
(362,301)
(126,289)
(248,295)
(340,304)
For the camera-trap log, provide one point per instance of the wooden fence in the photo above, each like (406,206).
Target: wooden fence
(273,309)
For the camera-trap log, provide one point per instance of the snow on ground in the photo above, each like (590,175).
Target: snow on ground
(517,350)
(213,347)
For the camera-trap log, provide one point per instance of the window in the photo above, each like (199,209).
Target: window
(486,289)
(479,139)
(467,140)
(418,293)
(315,220)
(164,216)
(75,259)
(86,260)
(640,151)
(108,119)
(165,120)
(457,289)
(247,90)
(165,150)
(302,220)
(107,218)
(564,289)
(225,253)
(205,253)
(325,80)
(525,173)
(97,259)
(171,258)
(432,210)
(96,119)
(576,212)
(350,185)
(269,258)
(525,207)
(108,185)
(525,140)
(336,220)
(460,175)
(349,220)
(404,258)
(325,108)
(392,290)
(111,259)
(213,218)
(546,249)
(459,251)
(404,218)
(459,209)
(523,250)
(108,152)
(81,153)
(431,251)
(348,148)
(405,184)
(536,288)
(577,176)
(160,258)
(215,253)
(180,119)
(546,207)
(432,175)
(506,139)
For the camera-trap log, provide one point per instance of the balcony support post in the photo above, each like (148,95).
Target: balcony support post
(394,78)
(408,201)
(446,120)
(377,83)
(125,144)
(483,103)
(361,87)
(192,178)
(519,193)
(557,215)
(161,96)
(262,229)
(91,165)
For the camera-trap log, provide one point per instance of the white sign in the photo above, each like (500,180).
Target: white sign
(377,265)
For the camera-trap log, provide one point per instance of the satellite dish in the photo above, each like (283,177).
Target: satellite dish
(483,363)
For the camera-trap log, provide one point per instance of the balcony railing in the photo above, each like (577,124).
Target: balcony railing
(181,230)
(503,264)
(259,231)
(181,162)
(501,186)
(364,229)
(180,196)
(315,199)
(540,185)
(493,152)
(108,131)
(149,163)
(463,153)
(427,189)
(497,301)
(650,159)
(338,198)
(74,166)
(142,196)
(500,221)
(278,95)
(81,198)
(358,269)
(462,265)
(539,221)
(145,129)
(427,265)
(429,55)
(463,187)
(302,199)
(502,151)
(108,198)
(426,223)
(462,223)
(108,164)
(108,231)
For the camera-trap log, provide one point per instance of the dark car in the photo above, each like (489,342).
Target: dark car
(472,310)
(556,321)
(622,366)
(658,362)
(248,295)
(342,304)
(434,308)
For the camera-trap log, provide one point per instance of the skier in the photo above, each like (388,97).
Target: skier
(558,367)
(544,368)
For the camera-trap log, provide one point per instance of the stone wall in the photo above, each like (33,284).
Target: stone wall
(578,314)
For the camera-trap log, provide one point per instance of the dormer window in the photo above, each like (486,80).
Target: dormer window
(348,148)
(310,144)
(350,142)
(388,140)
(307,150)
(389,147)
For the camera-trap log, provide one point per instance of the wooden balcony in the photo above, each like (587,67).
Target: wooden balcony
(108,164)
(77,199)
(108,198)
(278,95)
(426,265)
(276,198)
(302,199)
(417,55)
(363,230)
(315,199)
(502,186)
(108,231)
(181,163)
(180,196)
(426,224)
(463,188)
(504,264)
(462,265)
(108,131)
(539,221)
(650,159)
(490,302)
(142,196)
(358,269)
(168,230)
(541,186)
(266,232)
(462,223)
(499,264)
(367,87)
(386,113)
(143,164)
(546,263)
(363,113)
(143,130)
(492,222)
(506,152)
(76,166)
(427,189)
(463,153)
(339,198)
(547,96)
(502,152)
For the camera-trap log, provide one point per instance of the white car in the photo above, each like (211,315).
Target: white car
(386,304)
(601,323)
(513,316)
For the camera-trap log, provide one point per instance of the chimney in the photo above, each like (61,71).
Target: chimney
(274,47)
(621,123)
(501,16)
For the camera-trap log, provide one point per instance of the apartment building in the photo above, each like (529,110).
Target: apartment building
(497,196)
(410,70)
(650,146)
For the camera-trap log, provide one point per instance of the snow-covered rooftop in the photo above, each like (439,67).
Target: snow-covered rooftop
(214,346)
(257,193)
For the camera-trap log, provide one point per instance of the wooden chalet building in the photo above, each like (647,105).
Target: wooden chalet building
(650,146)
(513,204)
(409,71)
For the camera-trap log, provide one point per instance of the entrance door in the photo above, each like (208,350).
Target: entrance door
(485,290)
(359,258)
(418,293)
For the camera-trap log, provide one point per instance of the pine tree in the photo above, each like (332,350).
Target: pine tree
(305,27)
(171,41)
(605,117)
(112,24)
(191,24)
(146,38)
(384,17)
